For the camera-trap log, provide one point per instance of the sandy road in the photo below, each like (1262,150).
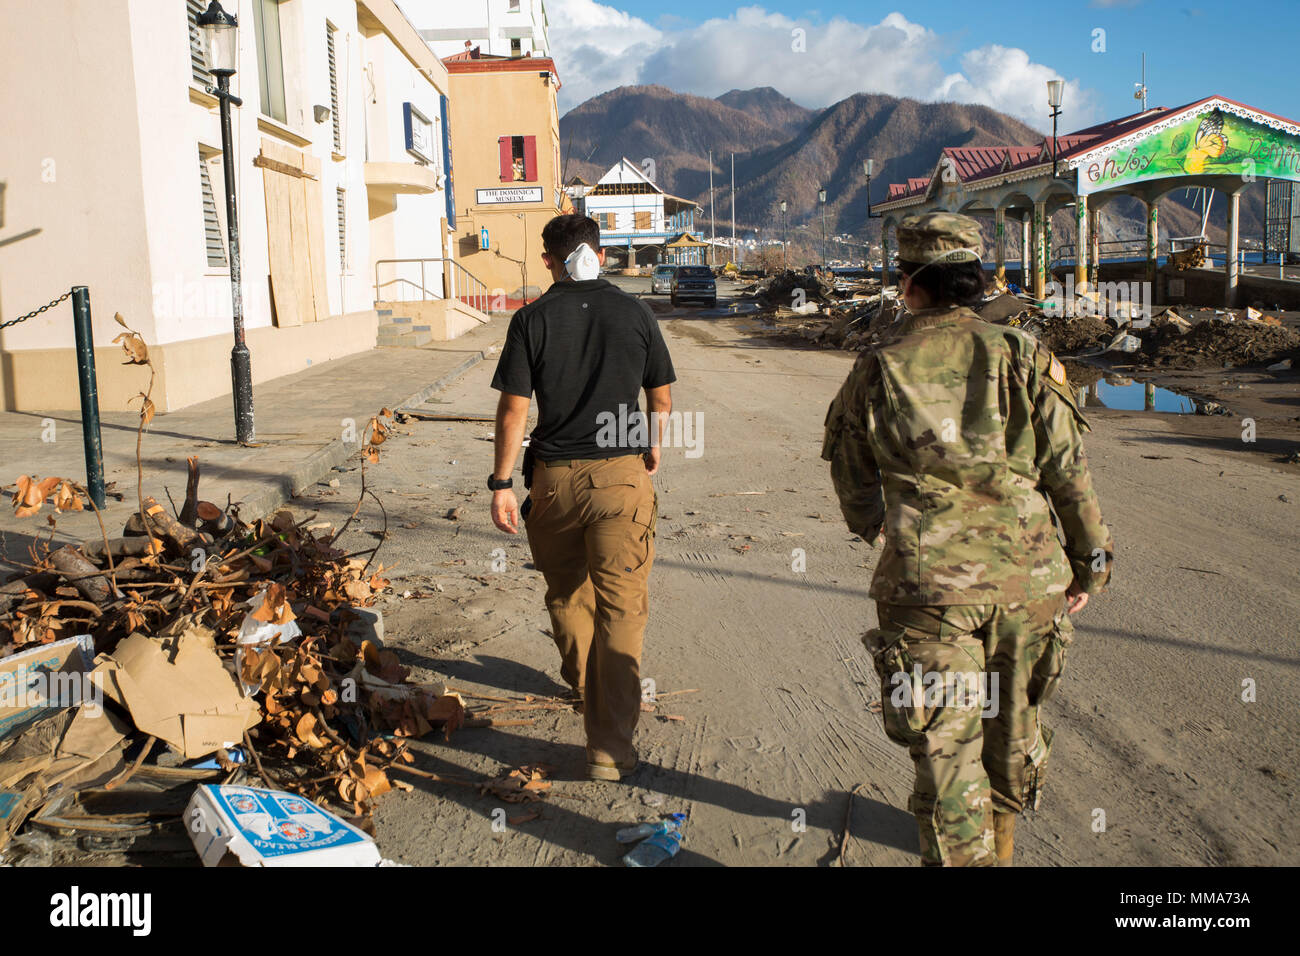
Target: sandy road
(758,598)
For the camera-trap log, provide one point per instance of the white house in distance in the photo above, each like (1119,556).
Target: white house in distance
(496,27)
(639,222)
(114,180)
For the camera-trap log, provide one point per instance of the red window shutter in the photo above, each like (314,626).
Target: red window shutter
(530,159)
(507,159)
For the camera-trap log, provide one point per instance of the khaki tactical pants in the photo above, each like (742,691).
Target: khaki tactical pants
(591,530)
(970,757)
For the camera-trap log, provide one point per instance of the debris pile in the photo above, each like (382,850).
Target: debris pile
(804,291)
(196,647)
(1219,344)
(1216,338)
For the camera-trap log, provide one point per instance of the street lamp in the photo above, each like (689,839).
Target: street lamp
(869,167)
(1054,90)
(221,35)
(784,260)
(821,198)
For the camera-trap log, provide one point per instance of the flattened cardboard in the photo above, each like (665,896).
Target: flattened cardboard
(187,698)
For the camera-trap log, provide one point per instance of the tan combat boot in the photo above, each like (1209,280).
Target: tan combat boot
(1004,832)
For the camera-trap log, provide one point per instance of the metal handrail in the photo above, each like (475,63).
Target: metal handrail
(457,283)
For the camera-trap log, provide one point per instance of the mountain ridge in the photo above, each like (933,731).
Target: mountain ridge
(787,151)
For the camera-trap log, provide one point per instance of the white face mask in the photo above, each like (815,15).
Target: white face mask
(582,264)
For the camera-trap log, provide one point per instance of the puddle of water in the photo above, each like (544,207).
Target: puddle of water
(732,308)
(1136,397)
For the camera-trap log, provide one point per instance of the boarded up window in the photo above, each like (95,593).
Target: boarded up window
(334,88)
(198,51)
(605,220)
(211,222)
(643,219)
(295,233)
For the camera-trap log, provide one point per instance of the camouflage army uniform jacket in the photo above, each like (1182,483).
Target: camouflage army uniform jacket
(959,438)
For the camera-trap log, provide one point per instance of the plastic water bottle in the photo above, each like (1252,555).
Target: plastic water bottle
(654,850)
(643,830)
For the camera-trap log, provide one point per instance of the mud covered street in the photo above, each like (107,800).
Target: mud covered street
(765,723)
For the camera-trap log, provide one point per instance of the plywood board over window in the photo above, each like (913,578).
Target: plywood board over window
(295,234)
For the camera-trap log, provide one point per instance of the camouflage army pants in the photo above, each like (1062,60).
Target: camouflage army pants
(961,688)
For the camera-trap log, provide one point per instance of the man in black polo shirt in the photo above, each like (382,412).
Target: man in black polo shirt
(587,350)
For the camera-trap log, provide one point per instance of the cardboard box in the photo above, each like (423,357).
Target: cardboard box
(249,826)
(37,682)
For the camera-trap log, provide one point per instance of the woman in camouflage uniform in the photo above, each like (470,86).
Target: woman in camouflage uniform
(961,441)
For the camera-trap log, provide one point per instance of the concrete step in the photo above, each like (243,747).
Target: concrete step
(403,335)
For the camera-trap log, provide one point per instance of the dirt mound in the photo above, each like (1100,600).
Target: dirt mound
(1075,335)
(1216,344)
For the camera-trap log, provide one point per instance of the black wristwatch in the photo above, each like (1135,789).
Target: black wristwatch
(500,484)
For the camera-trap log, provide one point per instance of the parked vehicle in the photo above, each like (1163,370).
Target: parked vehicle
(661,282)
(695,283)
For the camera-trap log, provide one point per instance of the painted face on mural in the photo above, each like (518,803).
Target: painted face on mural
(1211,142)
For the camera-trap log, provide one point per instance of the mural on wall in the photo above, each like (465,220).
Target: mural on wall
(1208,144)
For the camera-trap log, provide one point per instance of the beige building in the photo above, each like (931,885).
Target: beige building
(506,155)
(112,179)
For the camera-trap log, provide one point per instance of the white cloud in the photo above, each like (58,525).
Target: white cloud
(598,48)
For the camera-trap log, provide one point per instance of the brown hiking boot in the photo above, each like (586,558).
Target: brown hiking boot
(609,771)
(1004,832)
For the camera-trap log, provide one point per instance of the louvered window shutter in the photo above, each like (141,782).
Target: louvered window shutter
(211,224)
(198,54)
(334,89)
(507,159)
(530,159)
(341,199)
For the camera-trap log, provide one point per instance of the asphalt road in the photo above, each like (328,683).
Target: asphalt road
(758,598)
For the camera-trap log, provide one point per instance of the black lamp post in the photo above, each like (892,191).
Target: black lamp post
(1054,90)
(785,264)
(868,167)
(821,198)
(221,33)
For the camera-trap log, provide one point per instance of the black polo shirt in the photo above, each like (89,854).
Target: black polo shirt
(586,349)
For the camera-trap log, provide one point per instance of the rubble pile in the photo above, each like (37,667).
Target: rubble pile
(1218,338)
(1217,344)
(1082,333)
(804,291)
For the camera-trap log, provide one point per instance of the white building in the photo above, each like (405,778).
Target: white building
(112,157)
(496,27)
(639,222)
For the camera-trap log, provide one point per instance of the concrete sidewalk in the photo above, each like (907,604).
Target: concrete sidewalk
(300,420)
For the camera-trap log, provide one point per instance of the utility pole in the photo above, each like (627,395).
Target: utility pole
(1140,89)
(785,261)
(733,207)
(713,232)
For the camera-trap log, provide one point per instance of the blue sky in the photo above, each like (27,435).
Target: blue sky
(995,51)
